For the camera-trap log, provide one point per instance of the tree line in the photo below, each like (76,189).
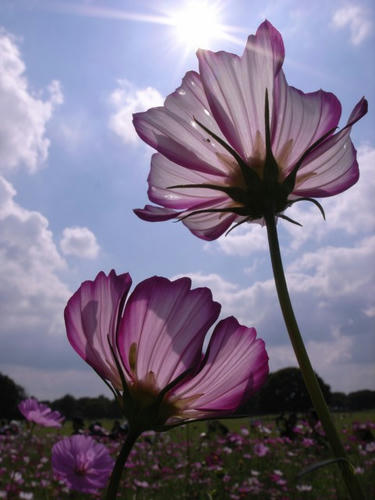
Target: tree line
(283,392)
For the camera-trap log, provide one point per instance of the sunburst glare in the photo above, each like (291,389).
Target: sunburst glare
(197,24)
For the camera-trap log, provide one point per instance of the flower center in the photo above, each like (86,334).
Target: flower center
(147,406)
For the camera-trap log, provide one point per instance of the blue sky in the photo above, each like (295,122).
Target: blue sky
(72,169)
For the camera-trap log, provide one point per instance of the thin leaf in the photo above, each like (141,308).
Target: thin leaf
(321,464)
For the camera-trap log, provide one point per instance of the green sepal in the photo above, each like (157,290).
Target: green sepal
(285,217)
(271,169)
(315,202)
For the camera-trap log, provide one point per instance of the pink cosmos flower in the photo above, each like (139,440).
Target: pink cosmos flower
(149,350)
(260,449)
(82,463)
(40,413)
(235,142)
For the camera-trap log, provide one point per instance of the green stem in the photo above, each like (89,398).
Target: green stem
(311,382)
(115,478)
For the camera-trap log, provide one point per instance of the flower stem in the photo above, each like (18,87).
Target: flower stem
(311,382)
(115,478)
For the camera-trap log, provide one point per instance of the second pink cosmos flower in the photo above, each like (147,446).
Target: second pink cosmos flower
(149,349)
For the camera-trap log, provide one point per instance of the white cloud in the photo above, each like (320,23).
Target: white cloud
(331,360)
(357,19)
(32,296)
(336,271)
(29,263)
(79,241)
(333,294)
(126,100)
(24,114)
(244,240)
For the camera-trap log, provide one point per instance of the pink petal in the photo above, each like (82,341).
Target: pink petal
(40,413)
(165,173)
(332,167)
(299,121)
(236,366)
(235,88)
(155,214)
(172,131)
(167,322)
(91,316)
(210,225)
(83,454)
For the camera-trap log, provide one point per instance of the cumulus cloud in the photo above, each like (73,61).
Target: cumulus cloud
(79,241)
(356,18)
(34,350)
(24,113)
(126,100)
(32,296)
(244,240)
(333,292)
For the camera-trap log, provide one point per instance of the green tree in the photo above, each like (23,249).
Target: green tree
(286,391)
(11,395)
(362,400)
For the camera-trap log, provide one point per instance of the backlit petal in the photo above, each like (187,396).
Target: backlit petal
(155,214)
(299,121)
(165,173)
(172,129)
(210,225)
(236,366)
(332,167)
(91,316)
(235,87)
(164,324)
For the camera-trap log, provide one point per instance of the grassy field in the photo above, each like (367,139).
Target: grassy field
(246,459)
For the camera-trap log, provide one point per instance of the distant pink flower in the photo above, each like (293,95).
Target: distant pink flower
(277,477)
(235,141)
(260,449)
(157,367)
(82,463)
(307,442)
(40,413)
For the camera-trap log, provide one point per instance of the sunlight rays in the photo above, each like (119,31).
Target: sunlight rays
(193,25)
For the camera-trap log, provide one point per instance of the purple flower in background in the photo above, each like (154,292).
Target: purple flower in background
(82,463)
(235,142)
(150,350)
(40,413)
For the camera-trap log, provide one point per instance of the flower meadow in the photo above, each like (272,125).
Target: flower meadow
(233,459)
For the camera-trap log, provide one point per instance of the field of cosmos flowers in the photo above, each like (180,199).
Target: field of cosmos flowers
(235,459)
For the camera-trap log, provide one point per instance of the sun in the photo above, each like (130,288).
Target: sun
(197,24)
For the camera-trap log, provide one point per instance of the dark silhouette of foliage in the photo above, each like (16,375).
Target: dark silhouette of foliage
(91,408)
(339,401)
(11,395)
(362,400)
(285,391)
